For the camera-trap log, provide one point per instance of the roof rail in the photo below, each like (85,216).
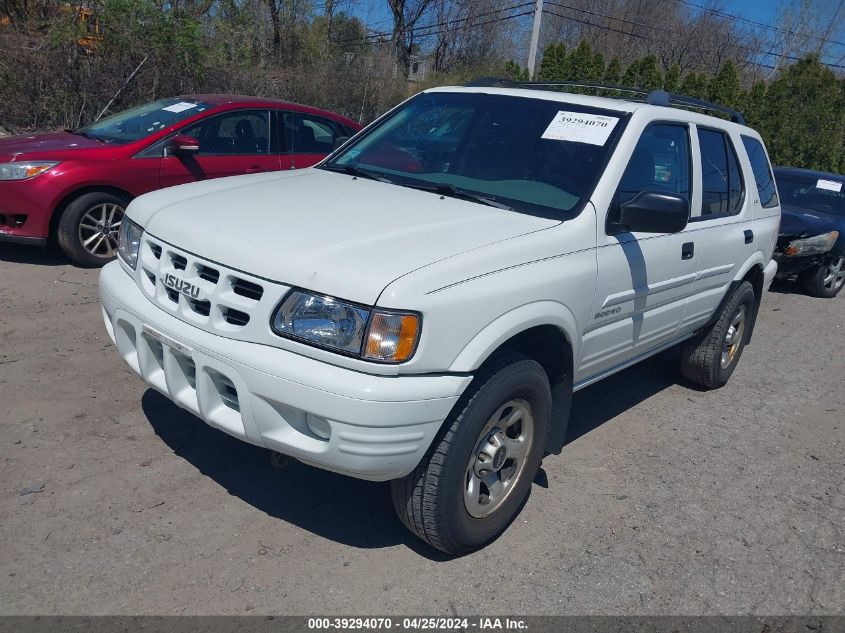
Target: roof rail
(652,97)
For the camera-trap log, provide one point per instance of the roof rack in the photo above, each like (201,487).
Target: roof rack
(652,97)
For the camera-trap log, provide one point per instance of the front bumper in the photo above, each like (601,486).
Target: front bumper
(792,265)
(380,426)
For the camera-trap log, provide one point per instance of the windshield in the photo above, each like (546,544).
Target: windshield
(529,155)
(137,123)
(811,192)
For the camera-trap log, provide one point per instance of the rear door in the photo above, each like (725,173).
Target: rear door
(721,225)
(232,143)
(644,279)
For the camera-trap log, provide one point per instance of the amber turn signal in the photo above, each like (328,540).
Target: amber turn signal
(392,337)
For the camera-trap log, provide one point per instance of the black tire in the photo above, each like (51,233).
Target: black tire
(825,280)
(702,356)
(430,500)
(71,236)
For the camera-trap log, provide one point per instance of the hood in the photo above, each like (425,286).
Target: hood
(323,231)
(801,222)
(20,147)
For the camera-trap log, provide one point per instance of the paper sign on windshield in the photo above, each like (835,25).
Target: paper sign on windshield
(180,107)
(830,185)
(577,127)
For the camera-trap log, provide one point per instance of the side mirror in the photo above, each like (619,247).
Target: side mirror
(340,140)
(650,212)
(181,145)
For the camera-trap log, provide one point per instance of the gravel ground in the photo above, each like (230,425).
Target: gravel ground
(663,500)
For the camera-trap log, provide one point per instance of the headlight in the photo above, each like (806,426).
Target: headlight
(129,242)
(24,170)
(379,335)
(812,245)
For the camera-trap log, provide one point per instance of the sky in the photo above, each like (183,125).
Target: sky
(377,16)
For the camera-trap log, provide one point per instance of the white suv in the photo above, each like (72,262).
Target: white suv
(400,311)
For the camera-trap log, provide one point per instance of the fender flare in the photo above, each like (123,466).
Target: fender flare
(755,259)
(514,322)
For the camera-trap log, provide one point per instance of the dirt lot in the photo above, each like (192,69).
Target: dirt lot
(664,499)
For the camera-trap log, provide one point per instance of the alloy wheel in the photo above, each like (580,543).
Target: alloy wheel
(834,277)
(734,335)
(99,229)
(499,458)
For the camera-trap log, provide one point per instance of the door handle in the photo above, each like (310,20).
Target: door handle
(687,250)
(749,236)
(255,169)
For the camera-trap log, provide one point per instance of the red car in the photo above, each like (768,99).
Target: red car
(74,185)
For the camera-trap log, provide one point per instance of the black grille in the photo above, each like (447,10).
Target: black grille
(208,273)
(247,289)
(235,317)
(179,262)
(156,249)
(200,307)
(174,296)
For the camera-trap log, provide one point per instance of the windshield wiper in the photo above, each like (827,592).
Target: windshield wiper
(352,170)
(450,191)
(85,134)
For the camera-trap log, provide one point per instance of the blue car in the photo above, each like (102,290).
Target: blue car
(811,241)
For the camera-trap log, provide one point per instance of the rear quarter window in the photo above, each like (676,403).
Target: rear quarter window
(762,172)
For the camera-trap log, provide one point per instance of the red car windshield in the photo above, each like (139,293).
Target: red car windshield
(137,123)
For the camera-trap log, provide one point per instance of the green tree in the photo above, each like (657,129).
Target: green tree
(650,76)
(672,79)
(803,116)
(724,87)
(597,71)
(631,78)
(515,72)
(753,103)
(581,63)
(613,74)
(695,85)
(553,64)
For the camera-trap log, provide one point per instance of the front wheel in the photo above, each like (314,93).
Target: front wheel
(478,471)
(89,227)
(826,279)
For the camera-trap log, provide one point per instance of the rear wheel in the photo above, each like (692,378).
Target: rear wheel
(89,227)
(710,358)
(479,470)
(826,279)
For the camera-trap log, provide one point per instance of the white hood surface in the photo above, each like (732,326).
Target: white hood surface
(323,231)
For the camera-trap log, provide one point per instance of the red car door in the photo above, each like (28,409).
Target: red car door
(309,138)
(230,144)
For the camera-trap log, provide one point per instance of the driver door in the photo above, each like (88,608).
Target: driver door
(231,144)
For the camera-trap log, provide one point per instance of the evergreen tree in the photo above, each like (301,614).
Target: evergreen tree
(672,79)
(694,85)
(515,72)
(597,73)
(803,116)
(581,63)
(553,64)
(650,76)
(753,102)
(724,86)
(631,78)
(613,74)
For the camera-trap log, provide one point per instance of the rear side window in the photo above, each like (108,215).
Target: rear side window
(762,172)
(660,162)
(722,191)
